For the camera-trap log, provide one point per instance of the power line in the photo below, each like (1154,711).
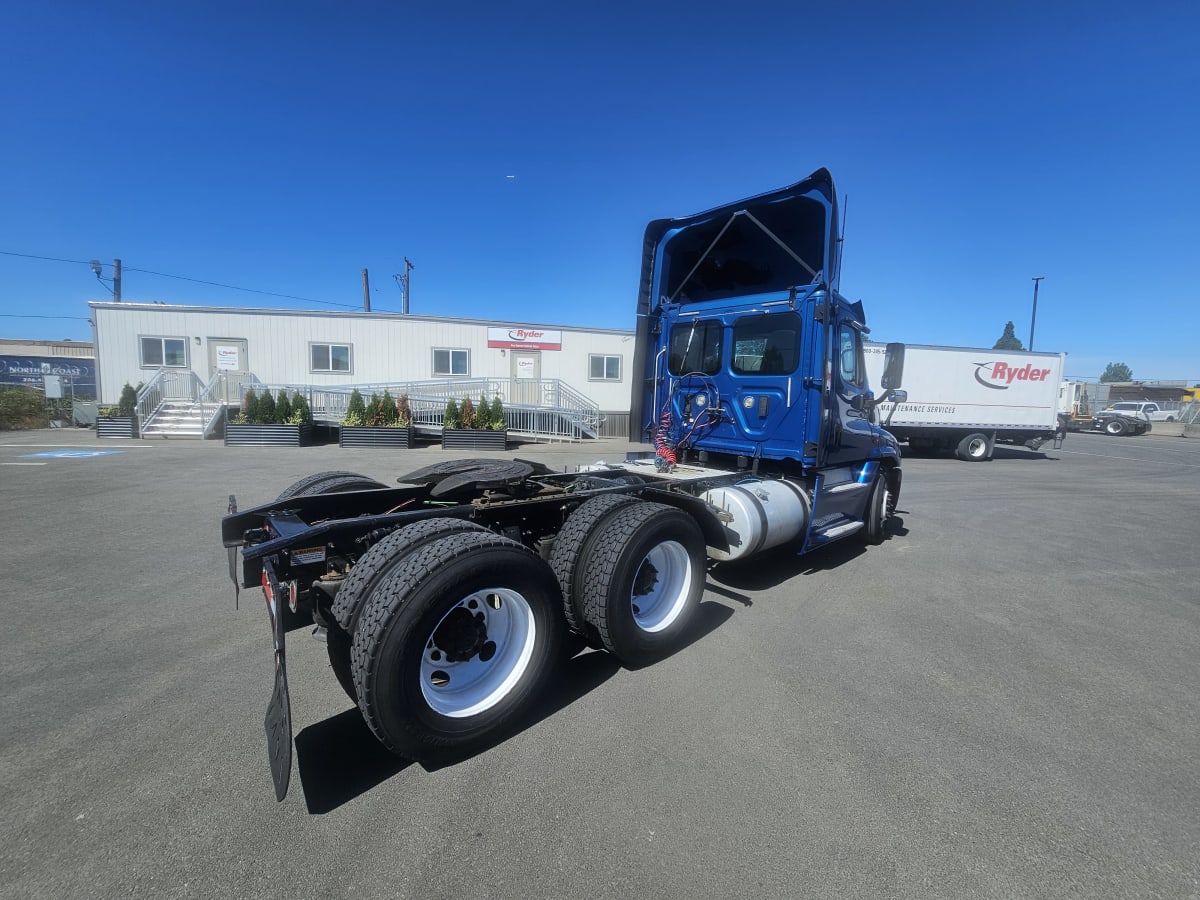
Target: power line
(232,287)
(21,316)
(49,258)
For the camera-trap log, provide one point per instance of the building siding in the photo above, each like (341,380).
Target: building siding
(386,347)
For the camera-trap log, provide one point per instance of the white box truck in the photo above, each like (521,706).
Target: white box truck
(966,400)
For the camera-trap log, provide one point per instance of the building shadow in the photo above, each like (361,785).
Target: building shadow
(340,759)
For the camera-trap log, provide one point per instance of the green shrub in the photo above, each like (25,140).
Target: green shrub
(249,413)
(452,417)
(301,411)
(387,408)
(483,414)
(21,409)
(283,407)
(128,401)
(467,412)
(356,410)
(498,423)
(266,409)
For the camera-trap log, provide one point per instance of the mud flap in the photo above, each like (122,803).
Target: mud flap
(278,724)
(278,721)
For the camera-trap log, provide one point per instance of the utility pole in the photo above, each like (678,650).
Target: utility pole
(404,281)
(366,292)
(1033,321)
(117,280)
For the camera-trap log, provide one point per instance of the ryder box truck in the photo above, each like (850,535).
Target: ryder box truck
(966,400)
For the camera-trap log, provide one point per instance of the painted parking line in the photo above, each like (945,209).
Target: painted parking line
(70,454)
(24,464)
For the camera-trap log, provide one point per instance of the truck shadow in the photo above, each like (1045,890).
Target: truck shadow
(339,759)
(772,568)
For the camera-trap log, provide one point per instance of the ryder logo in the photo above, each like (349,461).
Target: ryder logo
(999,375)
(520,334)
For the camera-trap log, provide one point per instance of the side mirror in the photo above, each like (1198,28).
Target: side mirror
(893,367)
(897,396)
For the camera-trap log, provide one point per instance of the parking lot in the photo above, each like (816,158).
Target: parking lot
(1000,701)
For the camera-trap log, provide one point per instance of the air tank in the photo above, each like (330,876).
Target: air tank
(761,514)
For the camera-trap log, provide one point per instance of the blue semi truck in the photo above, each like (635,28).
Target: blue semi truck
(444,599)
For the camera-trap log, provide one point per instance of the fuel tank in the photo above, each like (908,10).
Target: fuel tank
(761,514)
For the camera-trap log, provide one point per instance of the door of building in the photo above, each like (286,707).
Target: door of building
(228,355)
(526,377)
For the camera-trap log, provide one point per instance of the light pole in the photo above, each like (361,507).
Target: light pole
(1033,320)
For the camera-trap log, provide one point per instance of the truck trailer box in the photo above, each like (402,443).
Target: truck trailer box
(966,399)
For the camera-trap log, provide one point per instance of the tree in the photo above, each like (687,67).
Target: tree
(1116,372)
(1008,340)
(283,407)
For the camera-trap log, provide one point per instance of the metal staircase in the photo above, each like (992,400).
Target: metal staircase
(180,405)
(176,419)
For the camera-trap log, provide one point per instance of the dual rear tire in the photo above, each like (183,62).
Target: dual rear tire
(460,631)
(444,632)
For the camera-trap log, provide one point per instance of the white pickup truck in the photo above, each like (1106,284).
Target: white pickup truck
(1152,412)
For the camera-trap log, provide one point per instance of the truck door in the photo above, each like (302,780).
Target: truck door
(851,438)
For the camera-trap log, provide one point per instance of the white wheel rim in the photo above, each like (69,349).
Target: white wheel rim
(661,586)
(467,668)
(978,447)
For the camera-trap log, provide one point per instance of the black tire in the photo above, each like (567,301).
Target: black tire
(570,552)
(365,576)
(1114,427)
(877,511)
(337,643)
(374,565)
(974,447)
(328,483)
(418,699)
(616,574)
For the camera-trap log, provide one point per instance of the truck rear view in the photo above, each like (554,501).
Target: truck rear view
(443,600)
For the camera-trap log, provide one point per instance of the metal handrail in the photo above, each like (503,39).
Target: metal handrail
(165,386)
(560,410)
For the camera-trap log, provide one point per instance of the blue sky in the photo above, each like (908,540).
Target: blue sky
(283,147)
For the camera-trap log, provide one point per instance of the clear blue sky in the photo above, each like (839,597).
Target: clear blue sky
(284,146)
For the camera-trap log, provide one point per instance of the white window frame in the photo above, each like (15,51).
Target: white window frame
(466,373)
(162,346)
(329,345)
(606,357)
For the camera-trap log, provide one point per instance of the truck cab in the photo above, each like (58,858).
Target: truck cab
(750,357)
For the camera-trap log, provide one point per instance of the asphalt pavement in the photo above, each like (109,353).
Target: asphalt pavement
(999,701)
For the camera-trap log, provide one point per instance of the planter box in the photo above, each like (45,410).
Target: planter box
(373,436)
(268,435)
(117,427)
(472,439)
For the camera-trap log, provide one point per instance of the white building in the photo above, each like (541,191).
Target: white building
(298,347)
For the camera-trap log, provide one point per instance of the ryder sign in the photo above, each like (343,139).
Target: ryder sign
(525,338)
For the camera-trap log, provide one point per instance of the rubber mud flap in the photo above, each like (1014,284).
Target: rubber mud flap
(278,724)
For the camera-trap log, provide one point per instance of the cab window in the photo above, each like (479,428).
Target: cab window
(850,356)
(695,347)
(766,345)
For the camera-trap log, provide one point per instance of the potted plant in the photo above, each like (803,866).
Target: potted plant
(383,422)
(266,420)
(119,421)
(471,427)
